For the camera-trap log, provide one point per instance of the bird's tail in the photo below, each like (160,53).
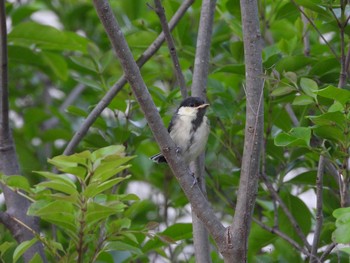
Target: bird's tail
(158,158)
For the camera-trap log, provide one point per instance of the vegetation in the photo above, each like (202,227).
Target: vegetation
(84,129)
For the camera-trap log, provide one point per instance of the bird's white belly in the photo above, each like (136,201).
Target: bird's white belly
(182,134)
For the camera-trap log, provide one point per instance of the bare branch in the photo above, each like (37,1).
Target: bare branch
(328,251)
(253,140)
(282,235)
(169,39)
(319,208)
(306,34)
(16,205)
(202,58)
(151,50)
(175,161)
(199,87)
(285,209)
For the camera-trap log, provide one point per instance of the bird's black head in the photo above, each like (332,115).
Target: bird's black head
(193,102)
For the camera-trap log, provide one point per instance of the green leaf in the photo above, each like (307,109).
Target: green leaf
(22,248)
(334,93)
(120,224)
(5,246)
(97,212)
(90,82)
(64,186)
(342,234)
(333,133)
(57,64)
(84,62)
(122,246)
(76,111)
(95,188)
(235,69)
(17,181)
(107,170)
(71,160)
(293,63)
(309,86)
(302,100)
(106,151)
(281,91)
(330,119)
(61,213)
(36,259)
(46,37)
(299,136)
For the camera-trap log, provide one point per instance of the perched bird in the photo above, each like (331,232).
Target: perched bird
(189,129)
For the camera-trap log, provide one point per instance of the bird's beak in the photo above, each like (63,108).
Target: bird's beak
(202,106)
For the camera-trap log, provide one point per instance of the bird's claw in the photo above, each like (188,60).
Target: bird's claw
(195,180)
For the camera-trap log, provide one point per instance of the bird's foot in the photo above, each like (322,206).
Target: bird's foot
(195,179)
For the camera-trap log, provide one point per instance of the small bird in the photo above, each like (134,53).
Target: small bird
(189,129)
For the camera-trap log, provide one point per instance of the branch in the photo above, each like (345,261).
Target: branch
(328,251)
(285,209)
(199,84)
(180,77)
(168,148)
(306,35)
(253,140)
(282,235)
(16,205)
(151,50)
(319,208)
(202,58)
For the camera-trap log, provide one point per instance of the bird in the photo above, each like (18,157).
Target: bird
(189,129)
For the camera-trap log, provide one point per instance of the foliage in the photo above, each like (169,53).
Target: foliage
(306,115)
(92,220)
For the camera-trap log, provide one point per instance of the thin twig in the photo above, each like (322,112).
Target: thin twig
(169,39)
(108,97)
(291,218)
(319,208)
(317,30)
(328,251)
(282,235)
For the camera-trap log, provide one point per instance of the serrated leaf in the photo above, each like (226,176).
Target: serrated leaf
(22,248)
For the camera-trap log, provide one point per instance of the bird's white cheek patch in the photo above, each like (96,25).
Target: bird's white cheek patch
(187,111)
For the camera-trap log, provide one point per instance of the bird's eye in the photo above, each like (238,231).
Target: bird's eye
(192,105)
